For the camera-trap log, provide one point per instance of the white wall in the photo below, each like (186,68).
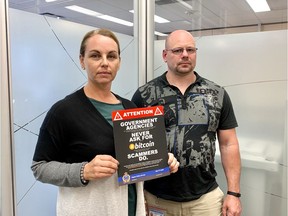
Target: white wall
(253,69)
(45,68)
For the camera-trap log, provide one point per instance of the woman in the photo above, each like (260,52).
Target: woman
(75,148)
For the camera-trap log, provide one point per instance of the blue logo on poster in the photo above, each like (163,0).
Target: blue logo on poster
(126,177)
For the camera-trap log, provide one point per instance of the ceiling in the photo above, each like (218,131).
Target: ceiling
(202,14)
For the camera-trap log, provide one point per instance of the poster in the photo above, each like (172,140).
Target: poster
(140,144)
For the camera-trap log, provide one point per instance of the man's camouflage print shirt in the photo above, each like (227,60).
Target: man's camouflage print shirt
(191,122)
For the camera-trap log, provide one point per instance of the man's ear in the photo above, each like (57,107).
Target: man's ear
(164,54)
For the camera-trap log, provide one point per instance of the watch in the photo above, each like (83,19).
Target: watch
(234,194)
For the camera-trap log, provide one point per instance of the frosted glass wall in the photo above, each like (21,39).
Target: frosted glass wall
(45,68)
(253,69)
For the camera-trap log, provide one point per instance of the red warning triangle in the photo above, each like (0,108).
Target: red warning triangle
(117,117)
(158,111)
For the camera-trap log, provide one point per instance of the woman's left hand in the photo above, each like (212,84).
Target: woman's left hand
(173,163)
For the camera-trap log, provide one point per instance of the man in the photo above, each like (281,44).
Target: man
(196,111)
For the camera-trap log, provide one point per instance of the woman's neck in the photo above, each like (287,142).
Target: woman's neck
(100,94)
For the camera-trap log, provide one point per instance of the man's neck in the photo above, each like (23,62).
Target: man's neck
(182,82)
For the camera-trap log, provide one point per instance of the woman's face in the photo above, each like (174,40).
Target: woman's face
(101,60)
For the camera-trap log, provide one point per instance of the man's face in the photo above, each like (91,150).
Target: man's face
(180,54)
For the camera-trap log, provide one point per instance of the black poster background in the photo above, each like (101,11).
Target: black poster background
(148,141)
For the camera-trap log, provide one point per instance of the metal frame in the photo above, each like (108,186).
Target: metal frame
(7,180)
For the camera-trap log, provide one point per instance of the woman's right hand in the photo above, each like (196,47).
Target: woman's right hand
(101,166)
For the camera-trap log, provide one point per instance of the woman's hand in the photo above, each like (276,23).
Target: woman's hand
(173,163)
(101,166)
